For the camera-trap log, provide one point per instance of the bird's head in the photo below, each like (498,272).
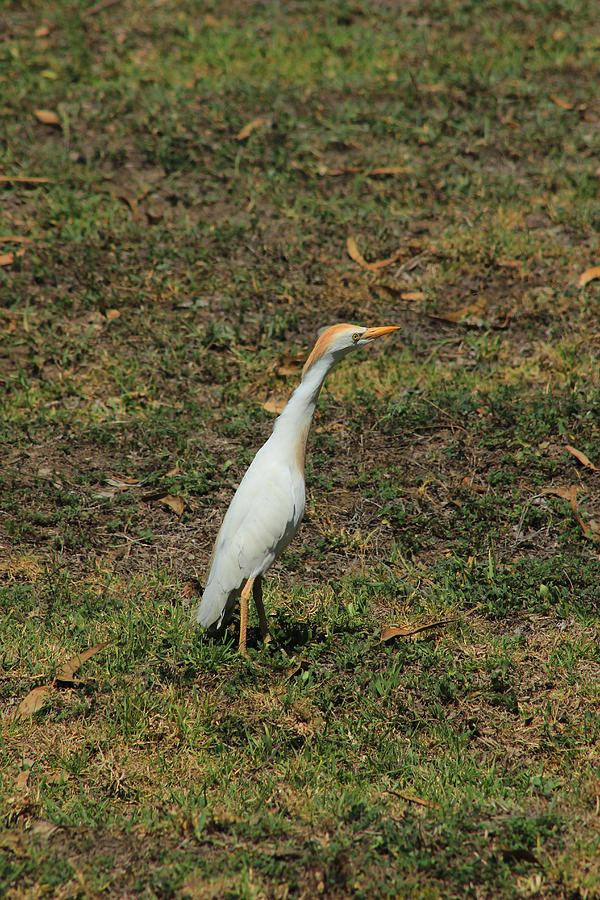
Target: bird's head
(337,340)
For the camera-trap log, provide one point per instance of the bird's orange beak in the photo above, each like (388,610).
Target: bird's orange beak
(372,333)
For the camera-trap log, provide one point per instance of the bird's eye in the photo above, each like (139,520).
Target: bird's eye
(356,337)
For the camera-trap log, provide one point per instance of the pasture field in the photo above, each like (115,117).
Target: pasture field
(188,192)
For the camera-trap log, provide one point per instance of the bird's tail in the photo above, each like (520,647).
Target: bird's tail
(215,609)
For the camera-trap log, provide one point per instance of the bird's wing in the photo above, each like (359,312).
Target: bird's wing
(262,518)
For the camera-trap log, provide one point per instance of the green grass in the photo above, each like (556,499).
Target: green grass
(172,279)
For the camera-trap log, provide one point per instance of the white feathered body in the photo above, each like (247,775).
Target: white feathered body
(262,519)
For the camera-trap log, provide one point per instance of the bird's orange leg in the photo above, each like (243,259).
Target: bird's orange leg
(244,615)
(260,609)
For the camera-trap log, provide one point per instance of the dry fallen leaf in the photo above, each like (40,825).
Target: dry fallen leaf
(299,665)
(15,239)
(247,130)
(575,509)
(348,170)
(588,275)
(47,116)
(123,482)
(469,315)
(562,492)
(564,104)
(392,631)
(355,254)
(583,459)
(412,295)
(290,363)
(570,494)
(331,426)
(10,840)
(355,170)
(68,669)
(22,779)
(23,179)
(131,201)
(173,502)
(6,259)
(274,406)
(112,314)
(98,7)
(411,798)
(389,170)
(34,701)
(193,588)
(42,828)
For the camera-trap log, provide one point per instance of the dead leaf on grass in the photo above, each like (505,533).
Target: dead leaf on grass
(331,426)
(24,179)
(588,275)
(123,482)
(389,170)
(7,259)
(193,588)
(170,500)
(173,502)
(274,406)
(467,315)
(23,778)
(348,170)
(99,7)
(9,840)
(570,494)
(355,170)
(355,254)
(47,116)
(132,203)
(411,798)
(575,509)
(290,363)
(392,631)
(112,314)
(42,828)
(564,104)
(15,239)
(412,295)
(67,670)
(563,492)
(247,130)
(299,665)
(34,701)
(583,459)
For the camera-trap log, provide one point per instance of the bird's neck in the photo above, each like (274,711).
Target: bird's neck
(293,425)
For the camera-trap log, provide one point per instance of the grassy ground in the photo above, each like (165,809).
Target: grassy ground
(204,166)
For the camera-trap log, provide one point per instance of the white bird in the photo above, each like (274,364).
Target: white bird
(268,506)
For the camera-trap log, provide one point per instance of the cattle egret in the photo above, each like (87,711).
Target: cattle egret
(268,506)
